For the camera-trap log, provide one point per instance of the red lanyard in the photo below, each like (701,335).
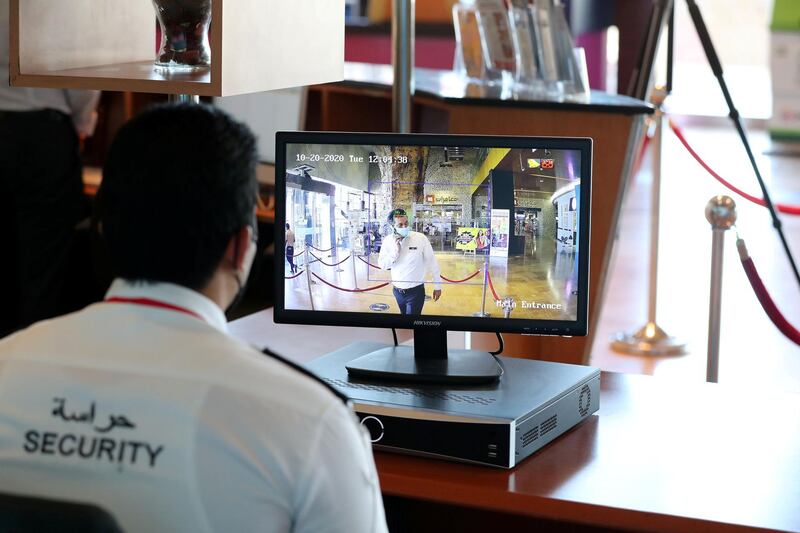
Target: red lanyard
(152,303)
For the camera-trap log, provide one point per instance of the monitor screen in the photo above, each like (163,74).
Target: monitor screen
(470,233)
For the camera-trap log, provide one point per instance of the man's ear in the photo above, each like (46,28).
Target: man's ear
(238,246)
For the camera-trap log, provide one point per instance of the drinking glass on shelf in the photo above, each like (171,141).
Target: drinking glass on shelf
(184,35)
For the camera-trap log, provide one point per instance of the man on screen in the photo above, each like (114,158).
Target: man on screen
(410,257)
(290,248)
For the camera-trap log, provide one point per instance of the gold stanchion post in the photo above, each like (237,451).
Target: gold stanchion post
(650,339)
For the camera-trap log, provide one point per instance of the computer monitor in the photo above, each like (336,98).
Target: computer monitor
(433,233)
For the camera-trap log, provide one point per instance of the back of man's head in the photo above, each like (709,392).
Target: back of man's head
(178,183)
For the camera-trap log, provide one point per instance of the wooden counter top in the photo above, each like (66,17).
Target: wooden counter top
(447,86)
(659,455)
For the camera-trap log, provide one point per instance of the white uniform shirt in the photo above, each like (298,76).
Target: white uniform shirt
(78,104)
(170,424)
(411,265)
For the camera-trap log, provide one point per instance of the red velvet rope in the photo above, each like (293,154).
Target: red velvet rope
(350,290)
(320,250)
(491,286)
(292,277)
(768,304)
(328,264)
(637,166)
(783,208)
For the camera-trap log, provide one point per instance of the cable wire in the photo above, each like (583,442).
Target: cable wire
(500,341)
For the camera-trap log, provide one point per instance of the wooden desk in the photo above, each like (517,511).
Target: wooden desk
(658,456)
(443,104)
(92,176)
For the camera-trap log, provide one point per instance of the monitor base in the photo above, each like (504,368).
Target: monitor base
(398,363)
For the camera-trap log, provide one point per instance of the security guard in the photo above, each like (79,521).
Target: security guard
(144,404)
(410,257)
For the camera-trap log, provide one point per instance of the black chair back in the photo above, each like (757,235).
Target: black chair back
(23,514)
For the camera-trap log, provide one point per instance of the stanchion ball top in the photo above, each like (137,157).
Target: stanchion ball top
(721,212)
(658,95)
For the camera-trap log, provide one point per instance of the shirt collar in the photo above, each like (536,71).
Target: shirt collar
(173,294)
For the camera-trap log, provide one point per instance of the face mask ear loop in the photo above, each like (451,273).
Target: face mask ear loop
(239,284)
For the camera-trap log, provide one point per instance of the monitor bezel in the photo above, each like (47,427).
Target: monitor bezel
(578,327)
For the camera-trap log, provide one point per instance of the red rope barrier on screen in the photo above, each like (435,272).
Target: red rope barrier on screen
(766,300)
(461,280)
(320,249)
(783,208)
(292,277)
(444,278)
(310,262)
(368,263)
(491,287)
(328,264)
(300,254)
(350,290)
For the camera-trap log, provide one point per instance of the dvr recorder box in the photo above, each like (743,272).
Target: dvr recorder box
(497,425)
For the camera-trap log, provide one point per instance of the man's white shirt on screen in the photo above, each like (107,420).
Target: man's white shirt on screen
(411,262)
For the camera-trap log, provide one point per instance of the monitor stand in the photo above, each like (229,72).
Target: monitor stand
(428,361)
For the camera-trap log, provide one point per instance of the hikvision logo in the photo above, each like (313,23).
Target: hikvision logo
(427,323)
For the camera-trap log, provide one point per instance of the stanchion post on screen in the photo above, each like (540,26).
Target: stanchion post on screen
(721,214)
(355,277)
(482,312)
(308,277)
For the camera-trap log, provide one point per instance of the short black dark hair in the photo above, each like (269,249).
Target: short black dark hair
(179,181)
(399,212)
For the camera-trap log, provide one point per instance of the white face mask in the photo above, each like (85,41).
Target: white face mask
(403,232)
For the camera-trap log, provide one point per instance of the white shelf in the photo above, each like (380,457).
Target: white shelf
(256,45)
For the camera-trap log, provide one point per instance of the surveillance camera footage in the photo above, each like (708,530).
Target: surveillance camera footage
(432,230)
